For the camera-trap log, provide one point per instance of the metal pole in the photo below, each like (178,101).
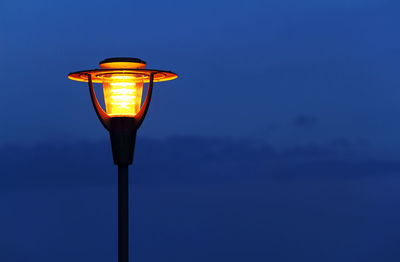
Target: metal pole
(123,214)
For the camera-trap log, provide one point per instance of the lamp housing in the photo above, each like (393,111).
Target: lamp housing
(122,79)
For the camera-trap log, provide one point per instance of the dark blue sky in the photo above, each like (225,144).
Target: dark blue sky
(279,141)
(246,68)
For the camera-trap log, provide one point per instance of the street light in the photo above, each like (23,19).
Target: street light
(122,80)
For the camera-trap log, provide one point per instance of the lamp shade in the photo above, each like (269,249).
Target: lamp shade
(122,94)
(122,90)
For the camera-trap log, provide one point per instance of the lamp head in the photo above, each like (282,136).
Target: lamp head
(122,79)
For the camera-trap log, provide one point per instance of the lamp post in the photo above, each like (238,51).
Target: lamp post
(122,80)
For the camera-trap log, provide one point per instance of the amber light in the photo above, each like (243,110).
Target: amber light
(122,94)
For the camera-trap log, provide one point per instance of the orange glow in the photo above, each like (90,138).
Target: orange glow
(122,94)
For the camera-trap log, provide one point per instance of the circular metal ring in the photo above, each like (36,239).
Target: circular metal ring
(97,74)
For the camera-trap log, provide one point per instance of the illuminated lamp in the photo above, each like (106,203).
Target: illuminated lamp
(122,79)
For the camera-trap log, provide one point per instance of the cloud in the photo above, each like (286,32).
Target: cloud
(185,159)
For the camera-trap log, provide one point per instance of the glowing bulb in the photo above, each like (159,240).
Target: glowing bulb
(122,94)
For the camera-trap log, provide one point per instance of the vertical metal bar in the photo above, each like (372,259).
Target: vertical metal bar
(143,110)
(103,117)
(123,214)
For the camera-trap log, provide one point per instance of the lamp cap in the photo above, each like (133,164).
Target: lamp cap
(122,59)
